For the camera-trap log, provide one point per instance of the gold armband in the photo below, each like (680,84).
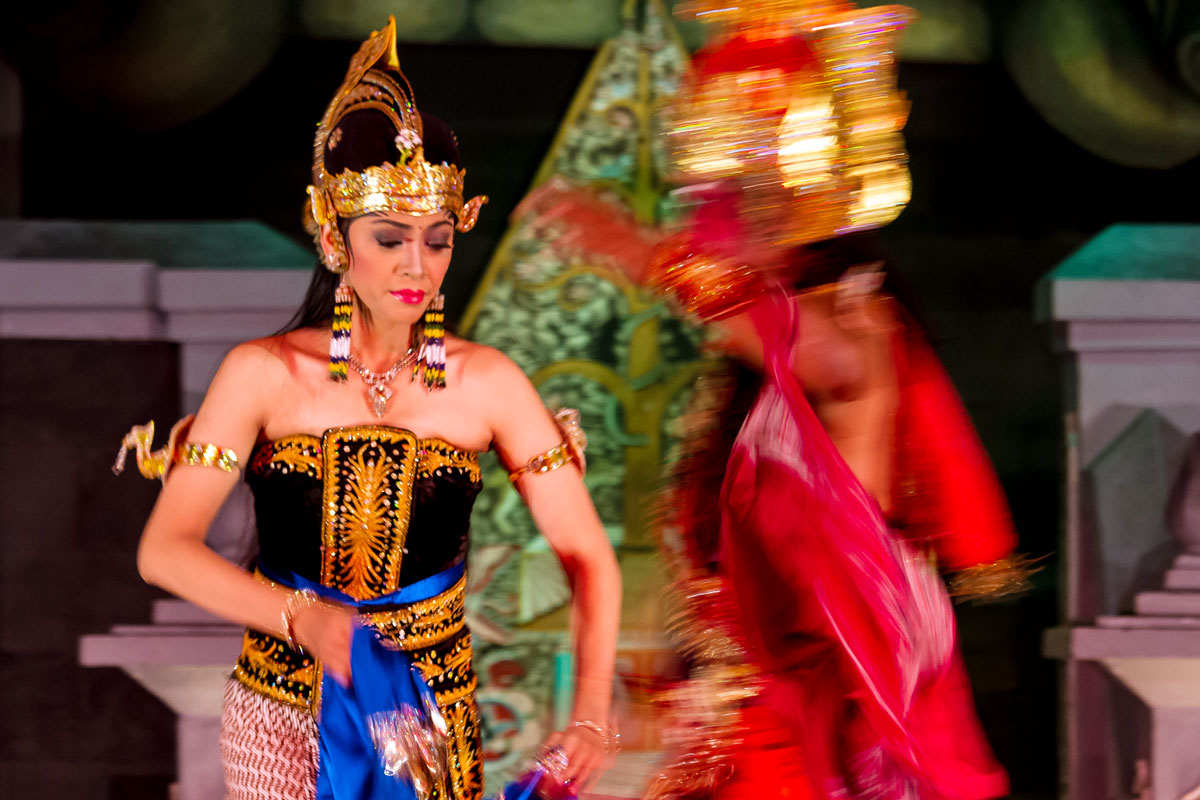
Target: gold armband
(157,463)
(573,444)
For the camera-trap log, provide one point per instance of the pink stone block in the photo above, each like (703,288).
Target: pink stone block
(1151,623)
(181,612)
(1182,579)
(1187,561)
(1168,603)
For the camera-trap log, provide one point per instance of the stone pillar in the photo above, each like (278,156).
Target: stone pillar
(1126,309)
(1183,518)
(199,762)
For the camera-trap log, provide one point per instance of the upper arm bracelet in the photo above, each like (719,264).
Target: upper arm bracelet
(571,449)
(157,463)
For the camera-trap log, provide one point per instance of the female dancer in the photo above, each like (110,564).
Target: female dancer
(363,479)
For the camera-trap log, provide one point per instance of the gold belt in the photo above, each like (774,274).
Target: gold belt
(433,630)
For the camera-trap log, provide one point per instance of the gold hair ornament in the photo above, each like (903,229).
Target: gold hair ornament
(796,101)
(410,185)
(789,122)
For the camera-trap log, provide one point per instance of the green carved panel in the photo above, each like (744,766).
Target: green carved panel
(586,336)
(590,340)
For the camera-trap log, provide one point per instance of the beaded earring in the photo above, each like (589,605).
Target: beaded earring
(339,339)
(430,368)
(337,262)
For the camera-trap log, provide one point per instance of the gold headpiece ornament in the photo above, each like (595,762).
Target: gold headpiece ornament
(411,185)
(796,101)
(787,132)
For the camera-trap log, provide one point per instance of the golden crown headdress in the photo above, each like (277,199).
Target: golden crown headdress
(788,124)
(796,101)
(411,184)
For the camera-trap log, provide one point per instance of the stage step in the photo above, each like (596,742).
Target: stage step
(1168,603)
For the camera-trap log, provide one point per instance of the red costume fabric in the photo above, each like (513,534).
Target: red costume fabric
(954,505)
(850,625)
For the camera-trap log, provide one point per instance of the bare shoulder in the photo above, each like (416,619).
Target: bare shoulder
(255,354)
(257,372)
(257,360)
(294,353)
(481,366)
(498,391)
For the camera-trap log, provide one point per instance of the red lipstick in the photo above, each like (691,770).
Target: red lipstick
(410,296)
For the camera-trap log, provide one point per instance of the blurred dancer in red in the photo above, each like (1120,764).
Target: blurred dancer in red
(814,499)
(809,505)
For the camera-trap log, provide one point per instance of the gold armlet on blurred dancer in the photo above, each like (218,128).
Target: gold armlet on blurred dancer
(996,580)
(573,444)
(157,463)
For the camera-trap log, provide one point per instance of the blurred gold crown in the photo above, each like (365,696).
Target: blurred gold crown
(796,101)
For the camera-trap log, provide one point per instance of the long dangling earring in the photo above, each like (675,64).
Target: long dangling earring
(339,340)
(430,368)
(337,262)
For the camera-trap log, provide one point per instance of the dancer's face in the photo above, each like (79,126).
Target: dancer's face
(398,262)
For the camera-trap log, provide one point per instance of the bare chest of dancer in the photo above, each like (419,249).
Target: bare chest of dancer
(845,362)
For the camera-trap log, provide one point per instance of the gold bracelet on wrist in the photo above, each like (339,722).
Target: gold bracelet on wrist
(609,736)
(295,602)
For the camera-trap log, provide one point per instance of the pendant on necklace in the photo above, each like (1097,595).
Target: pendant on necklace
(379,394)
(378,391)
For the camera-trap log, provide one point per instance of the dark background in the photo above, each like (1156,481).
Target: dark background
(999,199)
(69,532)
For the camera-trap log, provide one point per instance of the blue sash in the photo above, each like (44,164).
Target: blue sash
(526,787)
(386,684)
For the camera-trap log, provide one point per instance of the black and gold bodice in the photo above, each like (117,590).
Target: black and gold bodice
(369,510)
(365,510)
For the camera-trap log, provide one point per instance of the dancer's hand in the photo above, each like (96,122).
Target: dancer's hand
(324,630)
(586,756)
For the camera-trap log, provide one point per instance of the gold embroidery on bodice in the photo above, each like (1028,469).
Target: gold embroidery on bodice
(301,452)
(298,453)
(368,473)
(436,456)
